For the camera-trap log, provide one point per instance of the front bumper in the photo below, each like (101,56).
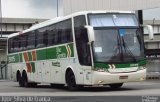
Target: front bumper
(102,78)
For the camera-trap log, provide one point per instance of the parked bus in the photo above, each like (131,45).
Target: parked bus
(83,49)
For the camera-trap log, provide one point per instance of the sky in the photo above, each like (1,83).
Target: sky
(29,8)
(46,9)
(150,14)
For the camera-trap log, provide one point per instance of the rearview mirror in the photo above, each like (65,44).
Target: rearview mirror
(90,32)
(150,31)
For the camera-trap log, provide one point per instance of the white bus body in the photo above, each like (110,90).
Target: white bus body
(59,51)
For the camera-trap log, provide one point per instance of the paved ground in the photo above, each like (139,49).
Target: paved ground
(151,88)
(147,91)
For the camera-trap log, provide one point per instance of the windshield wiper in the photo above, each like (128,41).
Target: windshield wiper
(117,50)
(126,48)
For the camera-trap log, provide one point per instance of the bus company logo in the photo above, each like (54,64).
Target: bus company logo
(57,64)
(133,65)
(58,50)
(150,99)
(111,66)
(12,59)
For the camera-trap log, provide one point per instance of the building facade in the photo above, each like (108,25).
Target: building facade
(12,25)
(70,6)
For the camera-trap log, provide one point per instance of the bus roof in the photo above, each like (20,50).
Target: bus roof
(58,19)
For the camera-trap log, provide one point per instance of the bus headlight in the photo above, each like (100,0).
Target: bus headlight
(100,70)
(141,67)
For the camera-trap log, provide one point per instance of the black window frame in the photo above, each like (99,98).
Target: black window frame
(82,46)
(57,39)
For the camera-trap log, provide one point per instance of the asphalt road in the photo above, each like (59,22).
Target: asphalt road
(130,92)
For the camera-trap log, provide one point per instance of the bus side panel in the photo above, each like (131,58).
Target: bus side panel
(10,72)
(65,63)
(15,67)
(38,72)
(45,71)
(52,70)
(82,74)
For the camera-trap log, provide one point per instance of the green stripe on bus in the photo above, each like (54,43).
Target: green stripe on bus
(51,53)
(103,65)
(143,62)
(20,57)
(44,54)
(33,67)
(29,56)
(13,58)
(62,53)
(41,54)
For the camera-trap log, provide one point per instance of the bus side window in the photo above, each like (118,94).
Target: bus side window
(81,37)
(23,40)
(51,35)
(31,40)
(45,37)
(10,45)
(59,33)
(16,42)
(55,37)
(41,38)
(67,31)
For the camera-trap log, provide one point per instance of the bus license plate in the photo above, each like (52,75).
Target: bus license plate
(123,77)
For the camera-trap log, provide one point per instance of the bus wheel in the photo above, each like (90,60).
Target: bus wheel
(116,86)
(57,85)
(32,84)
(71,82)
(20,81)
(25,81)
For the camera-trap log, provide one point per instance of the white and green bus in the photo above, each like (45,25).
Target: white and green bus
(91,48)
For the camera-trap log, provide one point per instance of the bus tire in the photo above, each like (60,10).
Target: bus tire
(32,84)
(71,82)
(57,85)
(25,80)
(20,81)
(116,86)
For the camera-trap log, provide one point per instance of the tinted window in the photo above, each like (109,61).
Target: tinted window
(41,37)
(17,43)
(81,37)
(23,42)
(52,32)
(66,31)
(10,45)
(101,20)
(31,40)
(60,33)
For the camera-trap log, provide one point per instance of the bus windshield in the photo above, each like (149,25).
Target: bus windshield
(110,46)
(117,38)
(111,20)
